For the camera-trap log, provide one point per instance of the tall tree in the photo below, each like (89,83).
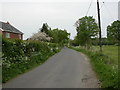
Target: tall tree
(86,28)
(113,31)
(45,28)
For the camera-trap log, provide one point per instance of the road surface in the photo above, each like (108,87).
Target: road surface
(66,69)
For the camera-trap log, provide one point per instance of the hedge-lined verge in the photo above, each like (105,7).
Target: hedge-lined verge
(20,56)
(105,71)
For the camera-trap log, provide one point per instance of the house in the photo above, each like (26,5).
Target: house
(9,31)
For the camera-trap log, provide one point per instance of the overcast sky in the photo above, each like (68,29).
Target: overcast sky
(29,15)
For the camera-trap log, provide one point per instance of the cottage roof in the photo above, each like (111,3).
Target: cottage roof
(8,27)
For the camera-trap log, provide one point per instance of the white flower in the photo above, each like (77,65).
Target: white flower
(57,48)
(51,49)
(26,58)
(41,36)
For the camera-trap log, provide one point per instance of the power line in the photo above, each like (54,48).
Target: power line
(102,5)
(89,7)
(108,12)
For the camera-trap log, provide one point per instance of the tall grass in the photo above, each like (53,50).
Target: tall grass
(111,51)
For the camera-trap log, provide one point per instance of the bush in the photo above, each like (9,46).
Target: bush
(20,56)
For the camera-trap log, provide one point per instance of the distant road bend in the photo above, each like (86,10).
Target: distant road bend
(66,69)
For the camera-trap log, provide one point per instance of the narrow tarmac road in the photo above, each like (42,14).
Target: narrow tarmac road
(67,69)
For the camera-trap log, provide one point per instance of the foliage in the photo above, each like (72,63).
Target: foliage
(74,42)
(86,29)
(59,36)
(107,74)
(45,28)
(113,31)
(20,56)
(55,35)
(105,41)
(40,36)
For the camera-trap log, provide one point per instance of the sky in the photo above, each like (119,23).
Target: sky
(29,15)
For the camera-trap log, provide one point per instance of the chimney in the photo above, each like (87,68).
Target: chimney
(7,22)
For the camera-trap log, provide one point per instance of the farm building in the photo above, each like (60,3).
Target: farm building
(9,31)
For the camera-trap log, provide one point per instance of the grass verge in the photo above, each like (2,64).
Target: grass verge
(105,71)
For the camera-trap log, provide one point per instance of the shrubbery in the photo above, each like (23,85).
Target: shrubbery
(20,56)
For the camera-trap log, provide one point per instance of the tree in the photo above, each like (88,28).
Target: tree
(45,28)
(55,35)
(113,31)
(74,42)
(86,28)
(59,36)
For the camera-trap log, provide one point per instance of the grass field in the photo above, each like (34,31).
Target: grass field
(110,51)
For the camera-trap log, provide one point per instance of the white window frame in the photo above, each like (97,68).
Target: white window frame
(7,35)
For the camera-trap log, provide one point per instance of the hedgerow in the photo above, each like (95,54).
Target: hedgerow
(19,56)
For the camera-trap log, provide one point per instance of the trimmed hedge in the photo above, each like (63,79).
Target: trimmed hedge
(20,56)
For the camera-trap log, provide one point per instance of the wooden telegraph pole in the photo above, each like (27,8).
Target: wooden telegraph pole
(100,40)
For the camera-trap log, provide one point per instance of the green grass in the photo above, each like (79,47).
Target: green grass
(102,65)
(110,51)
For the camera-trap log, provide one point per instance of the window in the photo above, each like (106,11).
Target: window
(20,36)
(7,35)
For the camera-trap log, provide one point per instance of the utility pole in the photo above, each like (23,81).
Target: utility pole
(100,40)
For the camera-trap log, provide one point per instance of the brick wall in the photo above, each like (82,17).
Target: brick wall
(12,35)
(0,31)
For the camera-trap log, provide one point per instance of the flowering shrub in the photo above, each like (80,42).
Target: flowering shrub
(40,36)
(18,56)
